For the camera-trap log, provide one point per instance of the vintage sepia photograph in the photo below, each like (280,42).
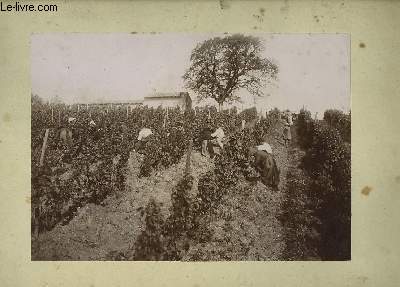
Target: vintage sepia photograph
(190,147)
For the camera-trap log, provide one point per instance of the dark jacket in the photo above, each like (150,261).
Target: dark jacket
(206,134)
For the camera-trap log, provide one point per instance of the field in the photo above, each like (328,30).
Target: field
(97,199)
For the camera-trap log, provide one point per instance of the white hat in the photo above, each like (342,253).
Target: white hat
(219,133)
(70,119)
(144,133)
(265,147)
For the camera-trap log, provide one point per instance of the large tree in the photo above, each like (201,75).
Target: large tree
(222,66)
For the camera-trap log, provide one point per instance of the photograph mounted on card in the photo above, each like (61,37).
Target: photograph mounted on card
(190,147)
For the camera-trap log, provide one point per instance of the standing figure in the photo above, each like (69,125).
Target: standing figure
(205,137)
(287,135)
(290,119)
(65,132)
(243,124)
(65,135)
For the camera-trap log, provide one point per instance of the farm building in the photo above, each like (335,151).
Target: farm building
(167,100)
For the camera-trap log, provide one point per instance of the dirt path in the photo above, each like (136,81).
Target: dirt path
(99,232)
(300,235)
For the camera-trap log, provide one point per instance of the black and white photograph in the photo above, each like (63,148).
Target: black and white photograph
(190,147)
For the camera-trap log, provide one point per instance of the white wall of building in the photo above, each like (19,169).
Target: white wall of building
(165,103)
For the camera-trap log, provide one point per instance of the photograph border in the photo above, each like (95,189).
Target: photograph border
(373,27)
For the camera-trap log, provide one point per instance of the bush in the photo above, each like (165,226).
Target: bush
(274,113)
(150,245)
(181,224)
(182,216)
(153,156)
(328,162)
(209,193)
(305,129)
(249,114)
(340,121)
(329,153)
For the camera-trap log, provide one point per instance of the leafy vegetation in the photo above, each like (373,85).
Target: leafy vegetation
(327,161)
(93,167)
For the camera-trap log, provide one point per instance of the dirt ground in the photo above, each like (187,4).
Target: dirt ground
(245,228)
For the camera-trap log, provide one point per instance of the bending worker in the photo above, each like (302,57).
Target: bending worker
(217,141)
(143,137)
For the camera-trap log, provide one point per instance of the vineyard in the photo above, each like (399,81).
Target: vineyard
(97,198)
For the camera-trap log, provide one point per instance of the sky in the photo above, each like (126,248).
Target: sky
(314,69)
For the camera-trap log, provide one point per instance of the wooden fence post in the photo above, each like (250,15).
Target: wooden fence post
(46,135)
(188,157)
(165,119)
(36,219)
